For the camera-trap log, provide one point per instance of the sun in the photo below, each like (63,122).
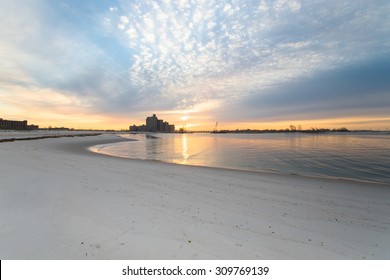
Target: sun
(184,118)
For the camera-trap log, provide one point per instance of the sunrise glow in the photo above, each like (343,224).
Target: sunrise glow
(245,64)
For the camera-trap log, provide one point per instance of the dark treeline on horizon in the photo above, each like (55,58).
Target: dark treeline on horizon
(287,130)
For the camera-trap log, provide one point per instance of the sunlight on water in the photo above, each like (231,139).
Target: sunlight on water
(185,149)
(353,156)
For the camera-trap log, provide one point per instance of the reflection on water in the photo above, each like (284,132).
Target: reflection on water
(354,156)
(185,148)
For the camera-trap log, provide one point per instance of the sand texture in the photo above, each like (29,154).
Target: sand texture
(60,201)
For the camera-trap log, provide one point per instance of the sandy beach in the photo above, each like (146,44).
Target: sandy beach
(60,201)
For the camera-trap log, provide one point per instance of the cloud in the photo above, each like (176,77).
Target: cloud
(124,19)
(50,56)
(270,44)
(358,89)
(129,56)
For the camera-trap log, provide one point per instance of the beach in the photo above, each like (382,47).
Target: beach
(60,201)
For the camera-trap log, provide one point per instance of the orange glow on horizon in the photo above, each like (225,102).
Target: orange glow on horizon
(61,110)
(116,123)
(349,123)
(192,122)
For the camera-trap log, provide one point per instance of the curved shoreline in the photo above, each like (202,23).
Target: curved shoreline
(83,147)
(87,148)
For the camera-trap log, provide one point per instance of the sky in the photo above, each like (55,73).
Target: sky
(244,64)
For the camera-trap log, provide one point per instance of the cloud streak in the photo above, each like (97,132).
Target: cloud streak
(356,89)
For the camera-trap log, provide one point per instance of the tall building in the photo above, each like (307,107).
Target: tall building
(160,125)
(151,123)
(165,127)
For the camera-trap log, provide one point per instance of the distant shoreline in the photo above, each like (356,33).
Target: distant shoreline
(223,131)
(311,131)
(47,137)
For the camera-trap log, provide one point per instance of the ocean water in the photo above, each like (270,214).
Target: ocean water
(357,156)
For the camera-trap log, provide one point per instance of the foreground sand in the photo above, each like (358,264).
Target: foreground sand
(59,201)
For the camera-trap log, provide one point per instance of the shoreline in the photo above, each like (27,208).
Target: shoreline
(86,148)
(47,137)
(61,201)
(319,177)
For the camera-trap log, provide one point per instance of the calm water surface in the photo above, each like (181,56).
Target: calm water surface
(351,155)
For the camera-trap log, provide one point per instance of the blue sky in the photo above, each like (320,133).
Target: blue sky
(108,64)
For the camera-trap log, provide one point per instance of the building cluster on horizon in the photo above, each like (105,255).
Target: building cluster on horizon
(16,125)
(153,124)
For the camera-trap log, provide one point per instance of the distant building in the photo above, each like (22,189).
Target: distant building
(171,128)
(160,126)
(16,125)
(153,124)
(32,127)
(137,128)
(165,127)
